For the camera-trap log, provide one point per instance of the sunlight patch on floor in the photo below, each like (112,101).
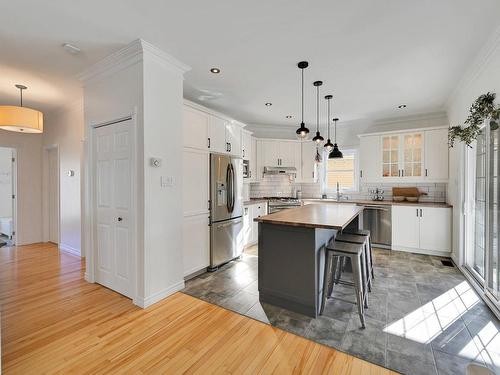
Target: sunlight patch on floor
(428,321)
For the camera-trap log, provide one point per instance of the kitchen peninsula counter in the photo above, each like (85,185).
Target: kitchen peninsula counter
(291,253)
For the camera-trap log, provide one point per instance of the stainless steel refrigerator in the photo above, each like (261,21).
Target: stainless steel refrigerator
(226,208)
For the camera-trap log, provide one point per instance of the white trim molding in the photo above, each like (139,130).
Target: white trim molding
(158,296)
(130,55)
(70,250)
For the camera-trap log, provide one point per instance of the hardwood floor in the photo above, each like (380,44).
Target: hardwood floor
(55,322)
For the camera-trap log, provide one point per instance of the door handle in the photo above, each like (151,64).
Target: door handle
(425,172)
(417,212)
(420,212)
(120,219)
(208,142)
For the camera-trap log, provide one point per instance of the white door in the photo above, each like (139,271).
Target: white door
(217,135)
(195,128)
(369,159)
(405,227)
(436,154)
(113,146)
(435,229)
(53,188)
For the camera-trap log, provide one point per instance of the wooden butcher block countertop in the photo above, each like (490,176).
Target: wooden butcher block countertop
(327,216)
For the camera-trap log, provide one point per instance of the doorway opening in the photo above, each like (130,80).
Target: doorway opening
(8,196)
(51,195)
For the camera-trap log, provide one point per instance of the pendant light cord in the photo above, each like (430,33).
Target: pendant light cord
(328,120)
(335,130)
(302,95)
(317,108)
(21,96)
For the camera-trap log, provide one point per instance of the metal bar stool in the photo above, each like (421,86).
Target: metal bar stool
(366,233)
(334,251)
(360,240)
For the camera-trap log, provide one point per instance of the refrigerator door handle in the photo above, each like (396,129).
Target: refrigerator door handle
(228,187)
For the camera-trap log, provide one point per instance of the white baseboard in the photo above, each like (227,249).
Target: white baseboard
(422,251)
(70,250)
(148,301)
(89,278)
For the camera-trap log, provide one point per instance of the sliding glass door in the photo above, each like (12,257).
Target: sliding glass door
(482,214)
(492,261)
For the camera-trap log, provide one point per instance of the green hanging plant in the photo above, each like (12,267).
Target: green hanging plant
(482,109)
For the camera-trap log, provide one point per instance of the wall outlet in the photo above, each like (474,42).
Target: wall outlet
(155,162)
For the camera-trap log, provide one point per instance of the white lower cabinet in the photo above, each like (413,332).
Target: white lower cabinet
(421,229)
(196,244)
(250,227)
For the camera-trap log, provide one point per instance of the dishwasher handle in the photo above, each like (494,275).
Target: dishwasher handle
(376,208)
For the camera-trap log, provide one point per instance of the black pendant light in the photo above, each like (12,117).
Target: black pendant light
(335,154)
(317,138)
(302,132)
(328,145)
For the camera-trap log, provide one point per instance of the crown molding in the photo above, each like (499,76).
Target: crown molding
(129,55)
(478,65)
(410,118)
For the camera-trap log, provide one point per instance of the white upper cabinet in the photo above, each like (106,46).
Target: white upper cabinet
(288,153)
(309,169)
(269,153)
(411,156)
(233,139)
(436,154)
(217,135)
(369,149)
(195,128)
(224,137)
(402,155)
(246,145)
(249,153)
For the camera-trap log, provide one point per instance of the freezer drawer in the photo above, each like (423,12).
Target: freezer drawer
(378,219)
(226,241)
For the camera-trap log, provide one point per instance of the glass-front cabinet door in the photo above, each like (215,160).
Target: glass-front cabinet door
(390,156)
(402,155)
(412,155)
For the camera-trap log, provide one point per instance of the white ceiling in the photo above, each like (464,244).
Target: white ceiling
(371,55)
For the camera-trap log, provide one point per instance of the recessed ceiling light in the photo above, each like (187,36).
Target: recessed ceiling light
(402,106)
(74,50)
(269,104)
(288,116)
(215,70)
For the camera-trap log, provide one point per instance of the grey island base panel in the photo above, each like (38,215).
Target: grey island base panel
(291,261)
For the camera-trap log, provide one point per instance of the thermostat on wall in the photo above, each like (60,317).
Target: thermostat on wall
(155,162)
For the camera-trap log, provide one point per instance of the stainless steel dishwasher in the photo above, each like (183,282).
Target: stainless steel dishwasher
(378,219)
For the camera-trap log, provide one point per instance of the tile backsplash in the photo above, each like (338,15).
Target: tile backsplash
(283,186)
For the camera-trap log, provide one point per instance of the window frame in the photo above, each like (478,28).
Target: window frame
(324,170)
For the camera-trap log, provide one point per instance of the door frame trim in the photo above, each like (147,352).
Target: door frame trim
(45,192)
(89,212)
(15,191)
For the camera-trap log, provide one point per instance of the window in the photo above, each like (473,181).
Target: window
(342,171)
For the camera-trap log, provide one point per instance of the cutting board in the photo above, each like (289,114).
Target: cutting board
(406,192)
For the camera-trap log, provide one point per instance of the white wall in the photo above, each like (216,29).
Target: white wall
(144,80)
(5,182)
(483,76)
(64,128)
(29,181)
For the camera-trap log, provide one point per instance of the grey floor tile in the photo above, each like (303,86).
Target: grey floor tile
(252,288)
(327,331)
(368,343)
(410,364)
(448,364)
(339,310)
(240,302)
(456,340)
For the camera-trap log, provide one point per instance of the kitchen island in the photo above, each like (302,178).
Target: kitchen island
(291,253)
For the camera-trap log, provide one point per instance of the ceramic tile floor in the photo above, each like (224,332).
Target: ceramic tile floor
(423,317)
